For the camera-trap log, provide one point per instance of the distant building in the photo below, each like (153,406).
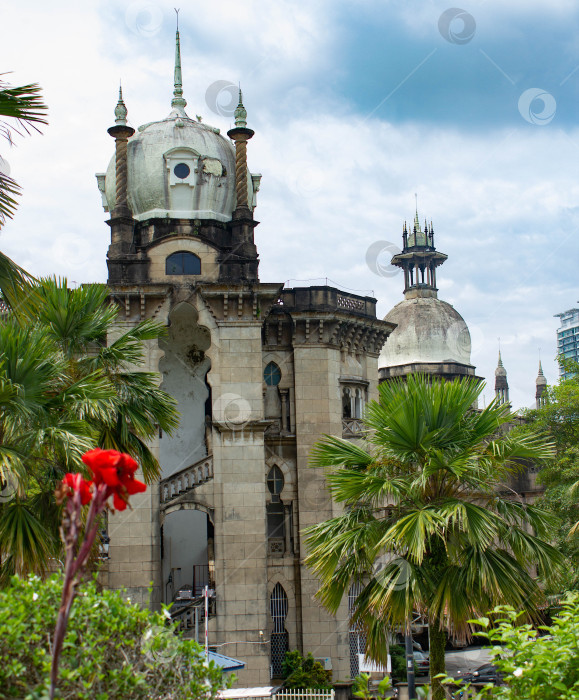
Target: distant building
(501,383)
(568,337)
(541,385)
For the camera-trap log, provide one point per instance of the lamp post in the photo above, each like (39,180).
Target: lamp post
(409,661)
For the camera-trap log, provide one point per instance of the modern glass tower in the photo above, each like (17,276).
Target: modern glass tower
(568,337)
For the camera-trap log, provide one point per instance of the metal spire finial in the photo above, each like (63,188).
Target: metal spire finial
(178,102)
(240,113)
(416,222)
(121,109)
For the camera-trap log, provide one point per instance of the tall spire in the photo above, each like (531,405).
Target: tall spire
(178,102)
(416,221)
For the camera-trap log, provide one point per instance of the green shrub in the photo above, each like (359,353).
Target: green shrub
(535,667)
(398,658)
(112,649)
(304,672)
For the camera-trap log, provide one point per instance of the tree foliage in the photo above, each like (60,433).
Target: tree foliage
(558,421)
(304,672)
(112,649)
(425,526)
(63,391)
(538,664)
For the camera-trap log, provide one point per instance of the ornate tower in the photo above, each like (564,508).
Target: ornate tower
(501,384)
(431,336)
(419,260)
(541,384)
(179,177)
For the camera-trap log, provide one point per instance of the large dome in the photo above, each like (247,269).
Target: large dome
(428,330)
(179,168)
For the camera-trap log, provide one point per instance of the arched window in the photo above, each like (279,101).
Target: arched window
(182,263)
(357,636)
(346,403)
(272,374)
(275,481)
(278,606)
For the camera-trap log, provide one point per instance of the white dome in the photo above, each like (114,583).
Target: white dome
(428,330)
(179,168)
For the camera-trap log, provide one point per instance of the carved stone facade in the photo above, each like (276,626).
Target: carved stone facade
(259,374)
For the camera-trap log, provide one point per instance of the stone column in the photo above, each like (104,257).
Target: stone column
(318,411)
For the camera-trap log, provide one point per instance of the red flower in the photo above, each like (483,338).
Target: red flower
(117,471)
(76,482)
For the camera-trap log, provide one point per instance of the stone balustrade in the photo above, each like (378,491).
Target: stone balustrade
(352,427)
(187,479)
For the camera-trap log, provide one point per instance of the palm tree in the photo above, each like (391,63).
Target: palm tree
(23,110)
(63,391)
(429,524)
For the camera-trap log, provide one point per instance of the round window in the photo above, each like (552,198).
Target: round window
(181,170)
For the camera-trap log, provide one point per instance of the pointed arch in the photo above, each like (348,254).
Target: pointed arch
(278,607)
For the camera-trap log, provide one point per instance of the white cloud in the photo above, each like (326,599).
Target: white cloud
(501,202)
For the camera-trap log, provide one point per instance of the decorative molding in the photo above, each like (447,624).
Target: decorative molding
(234,303)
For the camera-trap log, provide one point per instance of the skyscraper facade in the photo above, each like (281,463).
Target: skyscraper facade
(568,338)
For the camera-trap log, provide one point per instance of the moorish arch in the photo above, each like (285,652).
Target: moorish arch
(282,619)
(187,532)
(184,367)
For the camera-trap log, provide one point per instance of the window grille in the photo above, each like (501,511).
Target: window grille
(279,637)
(356,635)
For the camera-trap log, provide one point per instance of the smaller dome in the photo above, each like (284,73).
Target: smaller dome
(428,330)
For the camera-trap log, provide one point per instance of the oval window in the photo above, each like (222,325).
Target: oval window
(181,170)
(272,374)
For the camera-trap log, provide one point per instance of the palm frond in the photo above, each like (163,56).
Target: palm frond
(23,537)
(23,104)
(9,191)
(336,452)
(15,282)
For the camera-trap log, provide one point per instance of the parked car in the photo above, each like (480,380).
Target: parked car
(422,663)
(487,673)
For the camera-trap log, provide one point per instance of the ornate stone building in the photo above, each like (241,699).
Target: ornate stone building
(259,373)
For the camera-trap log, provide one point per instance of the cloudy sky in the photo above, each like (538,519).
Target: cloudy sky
(357,105)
